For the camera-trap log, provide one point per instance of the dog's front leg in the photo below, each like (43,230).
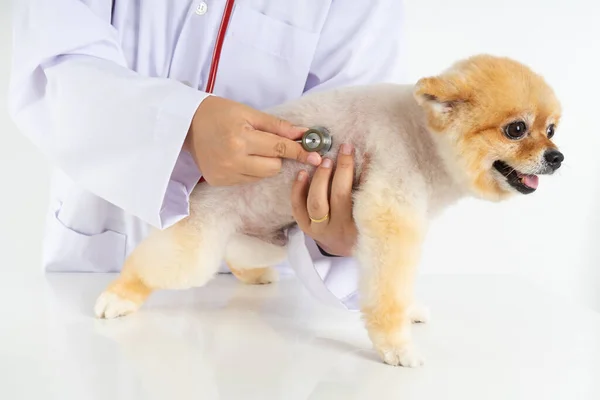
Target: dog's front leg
(389,245)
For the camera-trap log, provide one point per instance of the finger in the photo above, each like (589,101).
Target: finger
(275,125)
(299,200)
(318,195)
(260,167)
(266,144)
(341,187)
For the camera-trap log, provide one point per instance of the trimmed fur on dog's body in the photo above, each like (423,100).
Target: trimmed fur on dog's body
(428,145)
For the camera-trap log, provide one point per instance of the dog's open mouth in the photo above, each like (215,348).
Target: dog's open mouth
(523,183)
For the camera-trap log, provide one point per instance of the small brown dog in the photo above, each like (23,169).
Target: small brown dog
(482,128)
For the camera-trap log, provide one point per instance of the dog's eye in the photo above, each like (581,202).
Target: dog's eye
(550,131)
(515,130)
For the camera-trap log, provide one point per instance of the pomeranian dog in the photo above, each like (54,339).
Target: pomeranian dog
(481,128)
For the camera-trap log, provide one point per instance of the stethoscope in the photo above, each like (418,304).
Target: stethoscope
(316,139)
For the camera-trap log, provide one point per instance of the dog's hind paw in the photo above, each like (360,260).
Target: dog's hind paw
(256,276)
(111,305)
(405,356)
(419,313)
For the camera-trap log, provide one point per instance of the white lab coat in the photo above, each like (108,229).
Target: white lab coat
(108,95)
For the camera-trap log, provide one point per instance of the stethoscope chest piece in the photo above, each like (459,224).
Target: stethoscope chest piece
(316,139)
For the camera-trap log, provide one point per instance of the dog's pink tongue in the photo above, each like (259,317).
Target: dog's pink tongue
(531,181)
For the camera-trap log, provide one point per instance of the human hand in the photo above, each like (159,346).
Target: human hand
(232,143)
(334,229)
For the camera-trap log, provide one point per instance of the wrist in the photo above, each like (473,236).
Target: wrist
(188,143)
(324,251)
(197,118)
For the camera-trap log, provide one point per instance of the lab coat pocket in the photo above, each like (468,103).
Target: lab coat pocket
(67,250)
(267,56)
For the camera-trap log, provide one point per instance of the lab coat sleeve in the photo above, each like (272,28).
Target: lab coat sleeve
(361,42)
(114,132)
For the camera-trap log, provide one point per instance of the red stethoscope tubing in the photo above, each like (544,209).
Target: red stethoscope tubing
(214,65)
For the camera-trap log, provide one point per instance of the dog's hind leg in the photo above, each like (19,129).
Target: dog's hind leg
(255,276)
(183,256)
(251,260)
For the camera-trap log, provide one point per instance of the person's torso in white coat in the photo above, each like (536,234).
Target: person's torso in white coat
(108,93)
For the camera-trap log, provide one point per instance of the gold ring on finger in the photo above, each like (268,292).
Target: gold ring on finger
(318,220)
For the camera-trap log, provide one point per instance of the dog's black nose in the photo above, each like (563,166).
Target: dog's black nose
(554,158)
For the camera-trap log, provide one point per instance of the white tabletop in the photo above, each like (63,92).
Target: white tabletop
(489,338)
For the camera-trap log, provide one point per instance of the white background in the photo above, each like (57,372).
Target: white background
(549,238)
(24,177)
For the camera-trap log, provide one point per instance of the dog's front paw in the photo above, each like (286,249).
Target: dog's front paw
(405,356)
(111,305)
(419,313)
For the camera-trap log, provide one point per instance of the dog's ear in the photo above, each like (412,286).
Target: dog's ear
(440,94)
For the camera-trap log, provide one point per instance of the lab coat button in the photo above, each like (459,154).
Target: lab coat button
(202,8)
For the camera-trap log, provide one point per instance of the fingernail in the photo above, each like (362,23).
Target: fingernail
(346,149)
(314,159)
(301,175)
(327,163)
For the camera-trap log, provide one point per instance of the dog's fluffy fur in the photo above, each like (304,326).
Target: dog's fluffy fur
(428,145)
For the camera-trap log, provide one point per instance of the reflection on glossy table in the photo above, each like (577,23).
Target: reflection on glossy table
(489,338)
